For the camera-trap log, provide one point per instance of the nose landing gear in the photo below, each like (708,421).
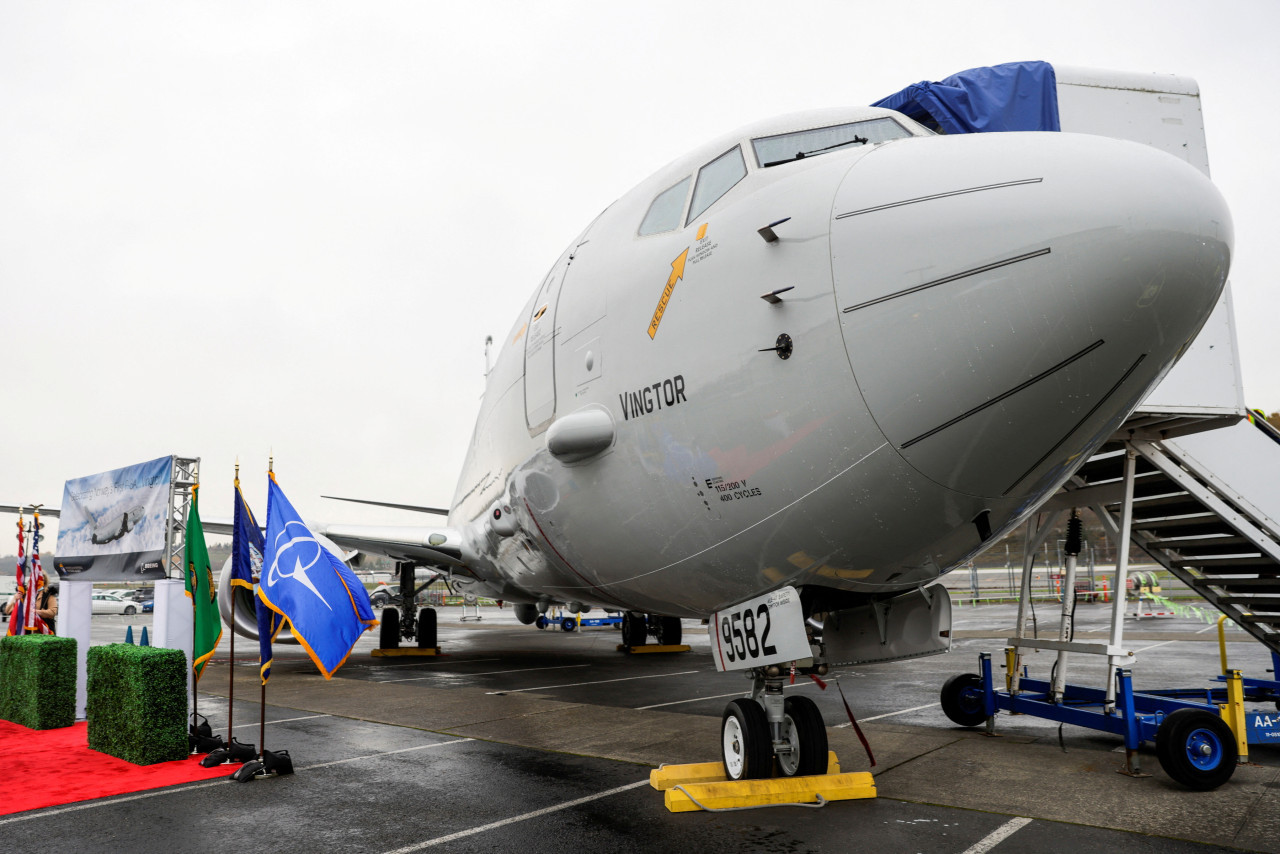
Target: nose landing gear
(766,727)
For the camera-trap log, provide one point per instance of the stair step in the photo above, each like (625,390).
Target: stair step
(1219,565)
(1243,586)
(1189,526)
(1259,619)
(1182,544)
(1111,468)
(1259,601)
(1215,552)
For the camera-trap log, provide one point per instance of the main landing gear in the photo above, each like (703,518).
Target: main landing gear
(636,628)
(411,623)
(765,727)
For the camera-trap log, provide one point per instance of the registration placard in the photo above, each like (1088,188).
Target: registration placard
(768,629)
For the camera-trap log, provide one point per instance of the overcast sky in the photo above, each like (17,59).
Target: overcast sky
(231,228)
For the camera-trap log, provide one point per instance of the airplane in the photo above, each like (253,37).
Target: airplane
(116,527)
(799,373)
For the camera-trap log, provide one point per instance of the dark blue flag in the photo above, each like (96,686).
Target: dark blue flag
(247,549)
(325,604)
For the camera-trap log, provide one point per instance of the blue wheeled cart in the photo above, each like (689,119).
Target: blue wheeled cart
(1199,734)
(1195,746)
(572,623)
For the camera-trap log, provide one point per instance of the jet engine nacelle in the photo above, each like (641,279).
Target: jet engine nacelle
(239,606)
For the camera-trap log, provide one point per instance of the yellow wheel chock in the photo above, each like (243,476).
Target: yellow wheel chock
(407,650)
(704,786)
(654,647)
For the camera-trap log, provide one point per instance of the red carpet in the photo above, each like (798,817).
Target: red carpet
(46,768)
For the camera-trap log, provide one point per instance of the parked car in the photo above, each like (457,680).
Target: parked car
(381,596)
(148,606)
(140,594)
(113,603)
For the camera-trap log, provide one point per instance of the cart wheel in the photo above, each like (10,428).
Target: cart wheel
(568,624)
(745,746)
(541,622)
(1197,749)
(962,699)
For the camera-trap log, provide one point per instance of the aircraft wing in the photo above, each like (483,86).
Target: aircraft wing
(437,546)
(53,512)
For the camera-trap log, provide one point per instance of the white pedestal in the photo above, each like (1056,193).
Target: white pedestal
(173,621)
(74,620)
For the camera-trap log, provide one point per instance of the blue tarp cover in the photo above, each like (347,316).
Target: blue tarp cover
(1013,96)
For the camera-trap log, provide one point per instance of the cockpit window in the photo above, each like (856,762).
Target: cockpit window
(786,147)
(664,213)
(715,179)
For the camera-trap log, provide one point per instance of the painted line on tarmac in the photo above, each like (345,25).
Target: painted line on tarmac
(420,663)
(716,697)
(995,837)
(453,675)
(462,834)
(891,714)
(259,723)
(386,753)
(191,787)
(583,684)
(1153,646)
(694,700)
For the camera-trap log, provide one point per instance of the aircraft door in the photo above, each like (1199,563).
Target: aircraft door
(539,351)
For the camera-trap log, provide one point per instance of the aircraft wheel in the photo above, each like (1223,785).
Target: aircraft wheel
(568,624)
(427,637)
(1197,749)
(745,745)
(803,728)
(635,631)
(129,610)
(669,630)
(389,630)
(962,699)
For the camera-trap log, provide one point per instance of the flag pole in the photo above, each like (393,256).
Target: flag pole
(195,674)
(231,667)
(262,700)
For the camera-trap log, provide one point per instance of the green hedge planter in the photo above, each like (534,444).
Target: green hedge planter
(38,681)
(138,702)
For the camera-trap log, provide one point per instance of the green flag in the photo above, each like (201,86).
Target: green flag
(201,589)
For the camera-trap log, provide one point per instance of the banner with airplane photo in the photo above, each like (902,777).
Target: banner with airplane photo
(112,525)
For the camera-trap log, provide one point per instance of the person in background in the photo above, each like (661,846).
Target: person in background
(47,610)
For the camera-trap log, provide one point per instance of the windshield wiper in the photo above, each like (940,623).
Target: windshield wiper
(801,155)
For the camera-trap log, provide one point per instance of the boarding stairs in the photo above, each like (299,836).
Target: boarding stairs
(1206,507)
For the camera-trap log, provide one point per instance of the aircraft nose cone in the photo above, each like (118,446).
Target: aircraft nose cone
(1007,299)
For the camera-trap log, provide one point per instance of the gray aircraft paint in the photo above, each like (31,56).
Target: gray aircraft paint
(971,317)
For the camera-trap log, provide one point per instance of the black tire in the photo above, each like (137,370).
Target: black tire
(541,622)
(669,630)
(962,699)
(427,638)
(389,630)
(378,600)
(635,630)
(568,624)
(804,728)
(1197,749)
(129,610)
(746,748)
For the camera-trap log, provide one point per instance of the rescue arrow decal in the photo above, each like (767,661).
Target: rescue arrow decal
(677,273)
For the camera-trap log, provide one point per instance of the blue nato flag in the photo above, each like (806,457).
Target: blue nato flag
(326,605)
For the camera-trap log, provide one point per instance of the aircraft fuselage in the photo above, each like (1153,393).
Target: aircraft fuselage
(959,322)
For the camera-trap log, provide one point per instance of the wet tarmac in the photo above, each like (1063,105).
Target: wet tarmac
(525,740)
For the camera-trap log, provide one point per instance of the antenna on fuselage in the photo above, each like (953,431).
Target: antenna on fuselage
(488,342)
